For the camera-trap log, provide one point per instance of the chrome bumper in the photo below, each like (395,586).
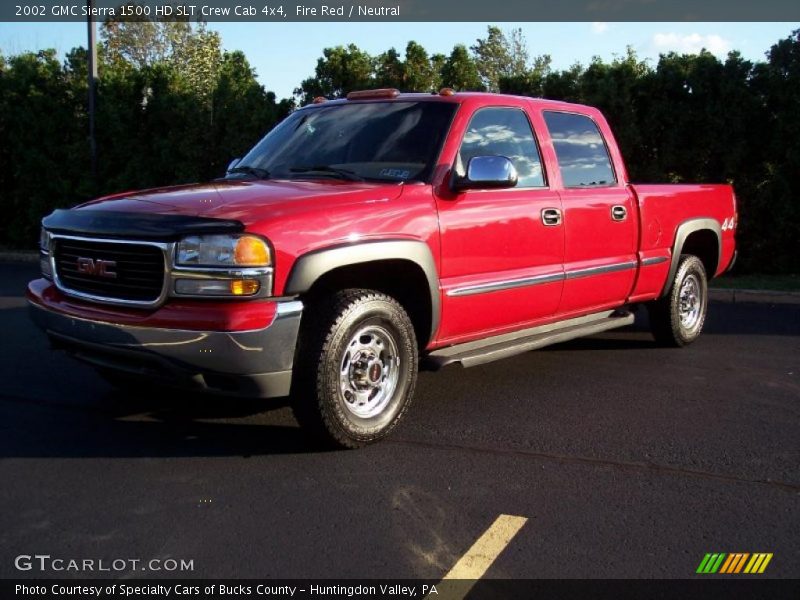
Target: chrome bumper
(255,363)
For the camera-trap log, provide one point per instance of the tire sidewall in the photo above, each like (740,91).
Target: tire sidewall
(690,265)
(392,319)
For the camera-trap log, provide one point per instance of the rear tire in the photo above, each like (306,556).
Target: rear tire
(677,319)
(355,367)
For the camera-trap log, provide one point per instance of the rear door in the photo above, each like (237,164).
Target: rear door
(501,265)
(600,224)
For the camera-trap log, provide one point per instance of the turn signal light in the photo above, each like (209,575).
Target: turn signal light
(217,287)
(244,287)
(251,250)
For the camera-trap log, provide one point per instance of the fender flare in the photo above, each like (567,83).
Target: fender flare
(308,268)
(684,230)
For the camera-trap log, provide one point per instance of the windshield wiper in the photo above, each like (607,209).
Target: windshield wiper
(329,170)
(254,171)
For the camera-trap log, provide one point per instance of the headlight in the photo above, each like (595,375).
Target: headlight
(232,266)
(44,254)
(223,251)
(44,240)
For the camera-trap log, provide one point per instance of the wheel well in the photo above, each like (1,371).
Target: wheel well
(403,280)
(704,245)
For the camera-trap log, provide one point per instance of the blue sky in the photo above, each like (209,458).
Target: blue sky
(286,53)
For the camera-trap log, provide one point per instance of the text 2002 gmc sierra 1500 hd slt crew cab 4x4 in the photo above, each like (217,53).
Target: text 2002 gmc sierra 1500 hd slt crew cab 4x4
(364,237)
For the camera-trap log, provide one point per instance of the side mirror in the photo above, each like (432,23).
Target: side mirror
(486,172)
(233,163)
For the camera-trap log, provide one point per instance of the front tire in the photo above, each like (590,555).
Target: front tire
(355,367)
(678,318)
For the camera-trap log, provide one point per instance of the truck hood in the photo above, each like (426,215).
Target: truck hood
(245,201)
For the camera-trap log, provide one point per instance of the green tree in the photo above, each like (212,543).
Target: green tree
(420,72)
(616,89)
(499,55)
(199,60)
(389,70)
(144,43)
(437,65)
(340,70)
(193,50)
(531,81)
(163,122)
(416,73)
(460,71)
(40,132)
(244,112)
(771,222)
(563,85)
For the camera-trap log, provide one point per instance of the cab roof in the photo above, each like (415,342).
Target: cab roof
(445,95)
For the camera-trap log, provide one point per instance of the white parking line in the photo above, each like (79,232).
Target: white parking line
(477,560)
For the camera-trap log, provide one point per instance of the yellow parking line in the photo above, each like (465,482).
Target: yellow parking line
(477,560)
(483,553)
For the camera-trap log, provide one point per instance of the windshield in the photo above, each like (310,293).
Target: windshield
(381,141)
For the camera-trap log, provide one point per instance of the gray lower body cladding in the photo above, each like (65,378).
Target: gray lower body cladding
(255,363)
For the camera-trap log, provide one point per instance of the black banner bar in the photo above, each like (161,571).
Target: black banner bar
(711,587)
(512,11)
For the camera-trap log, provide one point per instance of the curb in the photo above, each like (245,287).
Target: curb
(733,296)
(23,256)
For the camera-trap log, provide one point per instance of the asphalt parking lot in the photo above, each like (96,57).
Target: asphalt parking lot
(627,460)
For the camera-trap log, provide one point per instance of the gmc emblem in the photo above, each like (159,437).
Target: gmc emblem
(97,267)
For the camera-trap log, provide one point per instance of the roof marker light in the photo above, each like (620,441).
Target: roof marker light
(447,92)
(320,99)
(381,93)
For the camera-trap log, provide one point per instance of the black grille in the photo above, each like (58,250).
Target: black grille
(139,269)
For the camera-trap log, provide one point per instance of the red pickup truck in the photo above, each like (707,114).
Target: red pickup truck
(366,237)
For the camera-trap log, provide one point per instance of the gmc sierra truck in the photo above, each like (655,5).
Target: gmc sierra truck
(367,237)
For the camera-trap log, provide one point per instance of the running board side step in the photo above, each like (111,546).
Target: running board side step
(497,347)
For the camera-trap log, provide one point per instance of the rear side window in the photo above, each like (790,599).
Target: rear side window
(503,132)
(580,149)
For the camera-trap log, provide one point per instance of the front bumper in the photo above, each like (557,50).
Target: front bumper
(252,363)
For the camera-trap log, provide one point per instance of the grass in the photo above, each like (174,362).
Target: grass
(779,283)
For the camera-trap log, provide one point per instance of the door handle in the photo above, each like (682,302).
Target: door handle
(551,217)
(618,213)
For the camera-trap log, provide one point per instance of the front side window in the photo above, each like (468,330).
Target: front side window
(580,149)
(503,132)
(383,141)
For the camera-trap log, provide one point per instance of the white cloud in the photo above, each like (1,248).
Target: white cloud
(599,27)
(691,43)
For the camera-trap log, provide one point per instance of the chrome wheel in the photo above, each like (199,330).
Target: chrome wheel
(356,367)
(690,302)
(369,372)
(677,318)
